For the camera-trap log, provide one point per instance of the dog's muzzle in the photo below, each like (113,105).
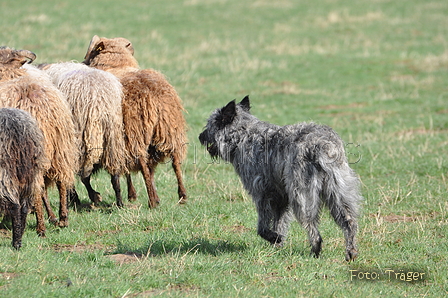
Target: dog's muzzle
(211,146)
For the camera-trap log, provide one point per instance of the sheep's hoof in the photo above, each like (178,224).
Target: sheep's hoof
(53,220)
(132,196)
(153,203)
(120,204)
(97,198)
(63,223)
(17,244)
(182,199)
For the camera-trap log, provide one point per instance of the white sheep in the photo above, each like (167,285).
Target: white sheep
(95,99)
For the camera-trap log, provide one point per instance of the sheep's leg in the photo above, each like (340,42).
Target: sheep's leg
(115,180)
(180,186)
(52,217)
(17,228)
(72,196)
(148,175)
(63,209)
(94,196)
(40,221)
(23,215)
(132,193)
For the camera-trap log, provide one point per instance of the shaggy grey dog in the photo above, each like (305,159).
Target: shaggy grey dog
(289,171)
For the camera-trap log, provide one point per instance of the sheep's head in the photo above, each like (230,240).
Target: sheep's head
(108,53)
(14,59)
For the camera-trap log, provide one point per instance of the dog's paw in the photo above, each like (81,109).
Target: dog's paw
(351,255)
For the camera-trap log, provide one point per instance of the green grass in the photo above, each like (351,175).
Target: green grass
(375,71)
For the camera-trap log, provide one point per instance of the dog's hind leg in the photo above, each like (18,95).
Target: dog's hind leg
(349,225)
(345,217)
(306,208)
(343,201)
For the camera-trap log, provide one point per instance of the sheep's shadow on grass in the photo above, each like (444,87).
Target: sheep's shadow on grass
(190,246)
(89,207)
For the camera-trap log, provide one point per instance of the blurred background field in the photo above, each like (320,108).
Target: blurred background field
(376,71)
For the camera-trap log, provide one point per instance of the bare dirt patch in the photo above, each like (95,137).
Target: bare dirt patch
(8,275)
(4,233)
(82,247)
(237,229)
(126,258)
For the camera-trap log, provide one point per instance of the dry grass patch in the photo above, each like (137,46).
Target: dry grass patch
(351,105)
(432,62)
(273,4)
(395,218)
(287,87)
(185,289)
(414,132)
(344,17)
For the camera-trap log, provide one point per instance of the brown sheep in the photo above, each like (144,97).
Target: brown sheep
(22,166)
(31,90)
(154,124)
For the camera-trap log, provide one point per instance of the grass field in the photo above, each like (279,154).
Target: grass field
(376,71)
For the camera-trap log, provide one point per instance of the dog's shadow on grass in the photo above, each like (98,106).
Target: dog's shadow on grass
(190,246)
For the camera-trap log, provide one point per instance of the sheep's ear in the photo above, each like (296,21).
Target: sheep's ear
(28,56)
(99,47)
(228,113)
(245,103)
(130,48)
(95,39)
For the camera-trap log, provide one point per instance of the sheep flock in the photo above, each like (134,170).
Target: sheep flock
(63,120)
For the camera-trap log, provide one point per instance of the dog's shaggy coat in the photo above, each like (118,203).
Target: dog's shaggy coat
(154,124)
(31,90)
(22,166)
(289,171)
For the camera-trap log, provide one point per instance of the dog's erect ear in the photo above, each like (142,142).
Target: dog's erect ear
(245,103)
(228,113)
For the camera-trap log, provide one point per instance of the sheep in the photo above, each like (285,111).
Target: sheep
(94,97)
(22,167)
(154,124)
(31,90)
